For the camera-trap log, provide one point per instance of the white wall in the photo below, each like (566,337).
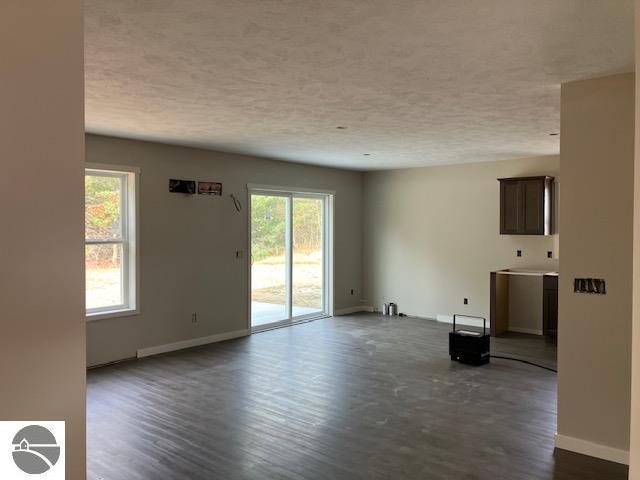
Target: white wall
(42,339)
(596,221)
(431,235)
(634,447)
(188,244)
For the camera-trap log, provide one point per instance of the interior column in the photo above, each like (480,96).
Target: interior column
(42,341)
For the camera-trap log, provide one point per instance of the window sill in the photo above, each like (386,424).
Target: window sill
(112,314)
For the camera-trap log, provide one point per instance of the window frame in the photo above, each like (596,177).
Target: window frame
(129,240)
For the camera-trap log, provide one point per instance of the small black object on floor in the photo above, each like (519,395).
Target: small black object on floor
(469,347)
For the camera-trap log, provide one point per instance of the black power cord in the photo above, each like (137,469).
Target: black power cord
(236,202)
(525,361)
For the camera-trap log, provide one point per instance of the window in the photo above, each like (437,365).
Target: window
(110,241)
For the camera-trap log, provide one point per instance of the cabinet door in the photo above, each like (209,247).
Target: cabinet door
(532,207)
(550,312)
(510,207)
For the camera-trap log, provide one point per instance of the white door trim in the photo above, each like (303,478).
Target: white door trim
(276,189)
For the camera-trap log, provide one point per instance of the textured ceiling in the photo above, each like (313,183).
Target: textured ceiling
(415,82)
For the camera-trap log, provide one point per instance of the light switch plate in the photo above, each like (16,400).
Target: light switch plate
(590,285)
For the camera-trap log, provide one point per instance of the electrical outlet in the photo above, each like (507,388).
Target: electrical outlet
(549,254)
(194,318)
(466,301)
(518,253)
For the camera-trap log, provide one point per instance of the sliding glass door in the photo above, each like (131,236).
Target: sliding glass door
(307,271)
(269,266)
(289,257)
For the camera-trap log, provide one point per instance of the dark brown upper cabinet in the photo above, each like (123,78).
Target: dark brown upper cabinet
(526,205)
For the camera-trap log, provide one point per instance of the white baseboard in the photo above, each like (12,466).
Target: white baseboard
(350,310)
(530,331)
(192,342)
(462,320)
(592,449)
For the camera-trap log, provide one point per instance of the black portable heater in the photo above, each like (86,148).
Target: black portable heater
(467,346)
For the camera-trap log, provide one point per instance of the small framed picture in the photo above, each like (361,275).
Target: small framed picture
(182,186)
(209,188)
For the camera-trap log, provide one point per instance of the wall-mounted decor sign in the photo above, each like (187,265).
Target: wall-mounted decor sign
(209,188)
(182,186)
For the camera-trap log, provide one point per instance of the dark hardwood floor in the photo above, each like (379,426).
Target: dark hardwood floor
(532,348)
(362,397)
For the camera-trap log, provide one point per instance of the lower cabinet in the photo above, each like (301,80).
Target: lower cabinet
(500,308)
(550,306)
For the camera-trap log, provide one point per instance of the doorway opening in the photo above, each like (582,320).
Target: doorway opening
(290,256)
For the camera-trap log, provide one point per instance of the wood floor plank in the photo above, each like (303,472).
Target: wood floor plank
(353,397)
